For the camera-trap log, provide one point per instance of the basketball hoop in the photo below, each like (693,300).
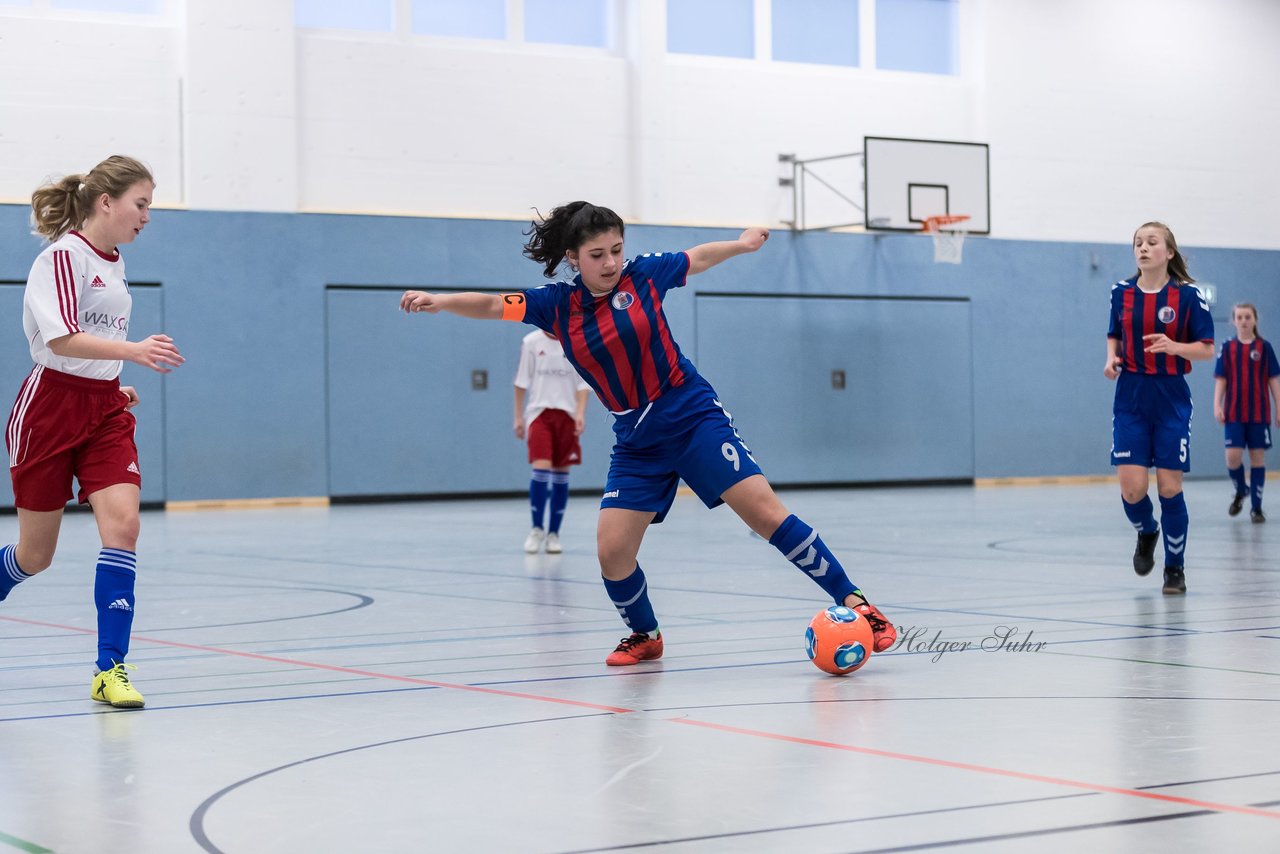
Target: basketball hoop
(948,240)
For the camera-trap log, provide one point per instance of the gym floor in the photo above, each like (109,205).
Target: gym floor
(402,677)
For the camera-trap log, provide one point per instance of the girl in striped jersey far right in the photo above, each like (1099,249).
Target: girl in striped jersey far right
(1246,389)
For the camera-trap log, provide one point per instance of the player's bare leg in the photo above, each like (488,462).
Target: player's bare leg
(619,533)
(755,502)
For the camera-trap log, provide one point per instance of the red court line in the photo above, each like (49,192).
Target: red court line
(984,769)
(339,669)
(791,739)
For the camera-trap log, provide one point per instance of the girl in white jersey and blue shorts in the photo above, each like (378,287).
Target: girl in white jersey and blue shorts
(72,418)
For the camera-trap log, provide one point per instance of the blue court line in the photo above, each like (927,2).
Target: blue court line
(788,661)
(333,647)
(1003,699)
(23,845)
(152,709)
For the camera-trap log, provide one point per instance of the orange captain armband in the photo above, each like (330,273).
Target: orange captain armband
(513,307)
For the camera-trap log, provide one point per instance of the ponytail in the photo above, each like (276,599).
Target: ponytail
(567,227)
(59,206)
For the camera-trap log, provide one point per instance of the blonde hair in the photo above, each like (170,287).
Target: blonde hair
(59,206)
(1177,264)
(1252,308)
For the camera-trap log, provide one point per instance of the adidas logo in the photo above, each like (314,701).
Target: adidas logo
(133,467)
(122,604)
(97,282)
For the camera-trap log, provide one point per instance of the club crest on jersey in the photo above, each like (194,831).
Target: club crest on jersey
(1255,355)
(622,300)
(1166,314)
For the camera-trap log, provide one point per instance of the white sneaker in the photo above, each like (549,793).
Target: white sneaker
(553,544)
(534,541)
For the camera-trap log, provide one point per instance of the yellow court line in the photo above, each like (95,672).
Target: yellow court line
(248,503)
(1048,480)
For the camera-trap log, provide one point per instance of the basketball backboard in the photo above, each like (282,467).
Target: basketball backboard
(908,180)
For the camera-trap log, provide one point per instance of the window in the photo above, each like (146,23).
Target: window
(340,15)
(916,35)
(130,7)
(821,31)
(472,19)
(712,27)
(587,23)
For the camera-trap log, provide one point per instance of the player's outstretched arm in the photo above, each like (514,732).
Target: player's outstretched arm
(705,256)
(473,305)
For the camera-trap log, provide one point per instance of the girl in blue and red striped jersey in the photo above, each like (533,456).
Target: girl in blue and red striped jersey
(72,418)
(1247,385)
(668,422)
(1159,321)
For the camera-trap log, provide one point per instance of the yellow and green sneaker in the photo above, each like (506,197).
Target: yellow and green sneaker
(112,686)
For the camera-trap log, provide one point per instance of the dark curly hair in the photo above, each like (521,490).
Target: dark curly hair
(567,227)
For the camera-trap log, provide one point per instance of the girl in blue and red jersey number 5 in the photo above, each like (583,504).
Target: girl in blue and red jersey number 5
(1159,321)
(668,423)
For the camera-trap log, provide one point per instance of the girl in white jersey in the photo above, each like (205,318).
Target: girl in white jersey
(72,418)
(551,412)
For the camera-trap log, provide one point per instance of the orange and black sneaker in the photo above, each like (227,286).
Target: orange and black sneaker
(881,629)
(635,649)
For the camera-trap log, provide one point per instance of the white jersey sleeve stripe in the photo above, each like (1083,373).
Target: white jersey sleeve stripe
(68,302)
(59,279)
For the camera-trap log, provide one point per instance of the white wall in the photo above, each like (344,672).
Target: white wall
(1100,115)
(1103,114)
(74,91)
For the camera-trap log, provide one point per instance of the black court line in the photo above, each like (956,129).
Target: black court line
(835,823)
(198,817)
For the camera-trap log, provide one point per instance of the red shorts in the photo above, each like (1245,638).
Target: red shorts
(62,427)
(553,436)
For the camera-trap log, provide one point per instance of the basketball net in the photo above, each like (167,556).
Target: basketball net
(948,240)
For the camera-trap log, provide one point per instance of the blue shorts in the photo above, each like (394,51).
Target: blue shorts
(1240,435)
(1151,422)
(685,433)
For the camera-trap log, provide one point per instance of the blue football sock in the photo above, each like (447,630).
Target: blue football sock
(113,594)
(631,597)
(801,545)
(1237,477)
(538,496)
(1257,477)
(1142,514)
(11,574)
(559,499)
(1173,518)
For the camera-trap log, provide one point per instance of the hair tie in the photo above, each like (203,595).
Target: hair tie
(80,188)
